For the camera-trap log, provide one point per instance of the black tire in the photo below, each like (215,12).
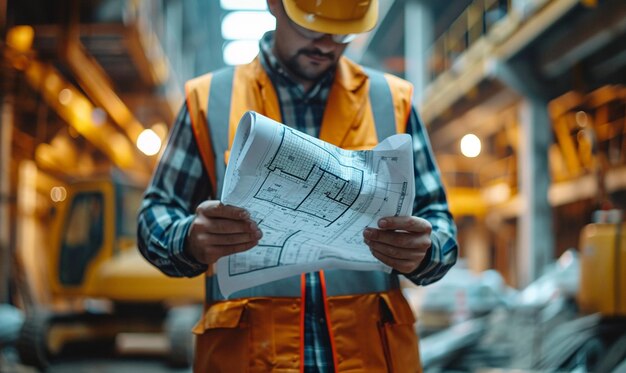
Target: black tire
(180,321)
(588,355)
(32,344)
(613,356)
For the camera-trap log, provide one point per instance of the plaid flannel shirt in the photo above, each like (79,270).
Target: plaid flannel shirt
(180,183)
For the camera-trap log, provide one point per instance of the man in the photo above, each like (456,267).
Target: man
(336,320)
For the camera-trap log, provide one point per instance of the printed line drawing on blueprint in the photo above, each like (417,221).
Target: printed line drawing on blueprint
(311,199)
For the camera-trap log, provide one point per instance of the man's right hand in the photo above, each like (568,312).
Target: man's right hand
(219,230)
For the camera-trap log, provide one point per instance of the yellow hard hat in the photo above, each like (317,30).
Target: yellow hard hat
(333,16)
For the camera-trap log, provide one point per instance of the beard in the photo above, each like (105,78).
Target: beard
(301,71)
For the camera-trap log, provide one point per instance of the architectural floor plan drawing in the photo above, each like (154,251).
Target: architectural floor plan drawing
(311,199)
(314,183)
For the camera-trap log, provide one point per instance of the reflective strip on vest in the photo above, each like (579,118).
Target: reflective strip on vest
(382,104)
(342,282)
(218,116)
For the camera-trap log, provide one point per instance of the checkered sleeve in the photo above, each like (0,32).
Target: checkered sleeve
(178,185)
(431,204)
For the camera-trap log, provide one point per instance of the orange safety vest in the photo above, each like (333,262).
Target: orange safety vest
(261,329)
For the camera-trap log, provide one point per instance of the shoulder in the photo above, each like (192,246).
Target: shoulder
(204,80)
(396,84)
(399,85)
(199,81)
(401,90)
(249,70)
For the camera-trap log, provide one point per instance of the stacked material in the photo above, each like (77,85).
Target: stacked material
(537,329)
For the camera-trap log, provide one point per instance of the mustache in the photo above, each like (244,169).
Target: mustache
(316,53)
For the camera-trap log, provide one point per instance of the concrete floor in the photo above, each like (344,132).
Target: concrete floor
(101,365)
(135,355)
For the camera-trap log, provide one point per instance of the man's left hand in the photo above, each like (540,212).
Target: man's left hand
(401,242)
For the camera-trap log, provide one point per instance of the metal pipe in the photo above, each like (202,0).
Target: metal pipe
(6,134)
(3,18)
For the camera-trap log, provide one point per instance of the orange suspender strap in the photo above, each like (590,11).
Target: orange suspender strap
(197,92)
(302,315)
(328,321)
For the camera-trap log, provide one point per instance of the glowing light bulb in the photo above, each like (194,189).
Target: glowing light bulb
(58,194)
(148,142)
(470,145)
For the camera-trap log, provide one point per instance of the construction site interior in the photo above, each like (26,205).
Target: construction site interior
(525,105)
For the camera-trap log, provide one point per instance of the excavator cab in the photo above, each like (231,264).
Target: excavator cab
(100,286)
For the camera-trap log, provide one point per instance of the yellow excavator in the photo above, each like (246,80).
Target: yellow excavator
(603,265)
(99,285)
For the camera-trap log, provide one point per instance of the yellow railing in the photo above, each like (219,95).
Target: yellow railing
(589,131)
(503,170)
(475,21)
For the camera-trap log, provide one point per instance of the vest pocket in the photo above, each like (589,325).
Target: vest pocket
(254,335)
(397,333)
(222,337)
(373,333)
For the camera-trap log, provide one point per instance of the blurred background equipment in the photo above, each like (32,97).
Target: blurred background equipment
(87,281)
(603,265)
(86,91)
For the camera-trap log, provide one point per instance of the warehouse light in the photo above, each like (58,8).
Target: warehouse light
(243,4)
(65,96)
(58,194)
(21,38)
(470,145)
(247,25)
(497,193)
(240,51)
(581,119)
(148,142)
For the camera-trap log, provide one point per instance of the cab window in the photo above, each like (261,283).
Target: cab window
(83,237)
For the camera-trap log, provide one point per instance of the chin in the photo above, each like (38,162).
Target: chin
(314,70)
(308,70)
(313,74)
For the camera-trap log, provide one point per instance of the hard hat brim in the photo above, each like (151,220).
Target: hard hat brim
(332,26)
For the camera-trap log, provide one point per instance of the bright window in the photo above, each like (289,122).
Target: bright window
(243,4)
(240,51)
(242,29)
(247,25)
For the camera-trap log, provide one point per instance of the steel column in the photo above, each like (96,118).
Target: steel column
(535,237)
(418,31)
(6,131)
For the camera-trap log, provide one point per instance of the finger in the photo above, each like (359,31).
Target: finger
(401,265)
(230,239)
(228,226)
(406,223)
(202,225)
(401,239)
(216,209)
(208,248)
(226,250)
(396,252)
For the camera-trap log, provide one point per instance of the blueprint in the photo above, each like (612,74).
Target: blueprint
(310,199)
